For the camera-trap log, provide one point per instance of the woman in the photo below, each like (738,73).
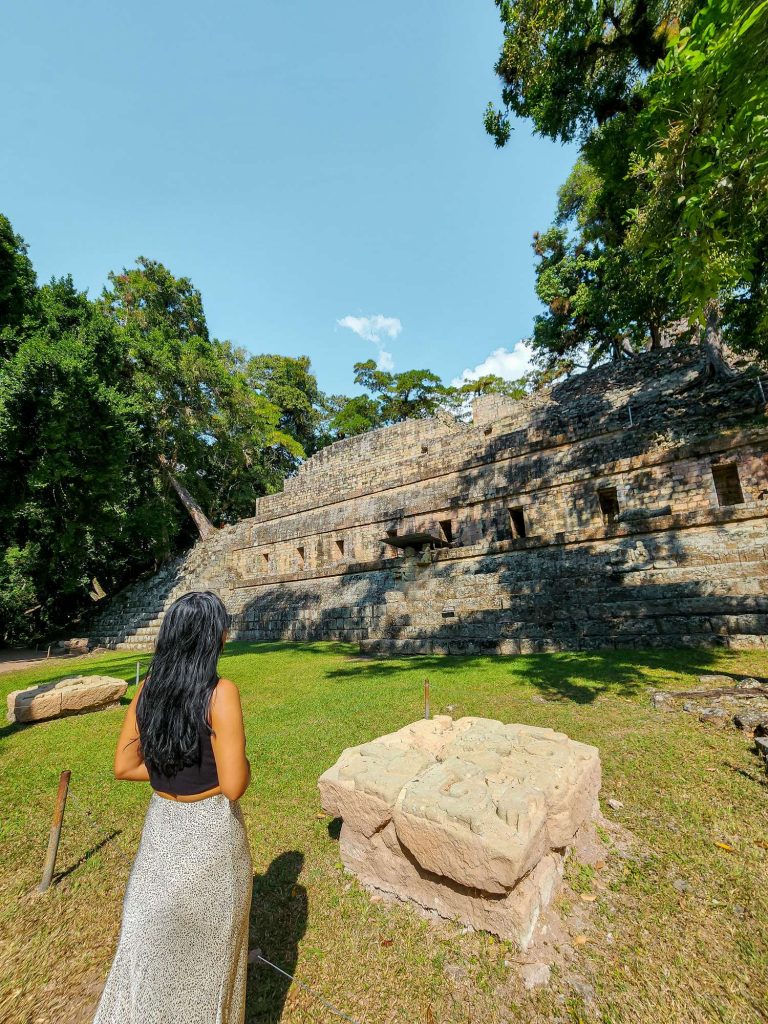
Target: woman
(182,954)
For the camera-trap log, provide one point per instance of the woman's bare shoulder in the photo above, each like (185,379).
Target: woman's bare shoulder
(225,693)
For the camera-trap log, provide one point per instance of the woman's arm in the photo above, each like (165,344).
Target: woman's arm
(129,764)
(228,740)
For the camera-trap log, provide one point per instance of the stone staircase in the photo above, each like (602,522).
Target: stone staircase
(131,620)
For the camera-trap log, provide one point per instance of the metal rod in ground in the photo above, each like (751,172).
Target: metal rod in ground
(426,698)
(55,836)
(138,671)
(256,954)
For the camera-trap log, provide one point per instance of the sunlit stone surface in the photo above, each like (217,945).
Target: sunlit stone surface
(470,819)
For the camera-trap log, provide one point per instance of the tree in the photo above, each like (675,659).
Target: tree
(290,386)
(701,157)
(413,394)
(459,399)
(570,66)
(668,101)
(66,485)
(172,362)
(600,304)
(346,417)
(206,432)
(18,287)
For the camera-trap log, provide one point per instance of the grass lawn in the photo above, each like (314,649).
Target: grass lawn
(678,931)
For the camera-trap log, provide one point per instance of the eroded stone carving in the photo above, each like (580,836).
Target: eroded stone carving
(468,819)
(72,696)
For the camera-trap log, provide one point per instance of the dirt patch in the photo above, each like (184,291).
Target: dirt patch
(15,661)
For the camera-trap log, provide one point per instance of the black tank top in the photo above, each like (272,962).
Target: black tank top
(195,778)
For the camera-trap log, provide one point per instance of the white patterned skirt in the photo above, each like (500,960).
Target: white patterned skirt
(182,955)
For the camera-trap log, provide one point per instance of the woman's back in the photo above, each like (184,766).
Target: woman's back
(191,779)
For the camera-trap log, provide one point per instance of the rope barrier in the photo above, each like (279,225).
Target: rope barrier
(256,955)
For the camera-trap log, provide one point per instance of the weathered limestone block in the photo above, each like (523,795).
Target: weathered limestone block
(468,819)
(73,696)
(384,864)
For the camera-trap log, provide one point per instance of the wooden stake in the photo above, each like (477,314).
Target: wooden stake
(426,698)
(55,836)
(138,671)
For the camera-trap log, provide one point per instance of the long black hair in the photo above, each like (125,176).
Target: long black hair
(174,703)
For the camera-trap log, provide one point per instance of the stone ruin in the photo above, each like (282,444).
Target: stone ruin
(469,820)
(724,701)
(625,507)
(74,696)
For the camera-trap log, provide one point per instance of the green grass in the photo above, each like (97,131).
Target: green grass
(653,953)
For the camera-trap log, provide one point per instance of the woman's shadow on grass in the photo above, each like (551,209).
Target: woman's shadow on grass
(278,922)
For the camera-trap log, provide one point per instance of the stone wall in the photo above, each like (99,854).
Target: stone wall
(626,507)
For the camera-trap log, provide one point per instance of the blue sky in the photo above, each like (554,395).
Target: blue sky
(303,163)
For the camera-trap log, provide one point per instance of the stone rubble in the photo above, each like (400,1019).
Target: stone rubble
(469,820)
(744,705)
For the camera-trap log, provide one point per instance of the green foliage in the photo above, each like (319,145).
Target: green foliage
(664,220)
(599,302)
(350,416)
(700,155)
(568,66)
(413,394)
(18,593)
(203,409)
(17,286)
(291,387)
(105,407)
(393,397)
(67,434)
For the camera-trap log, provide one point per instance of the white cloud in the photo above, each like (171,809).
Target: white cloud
(501,362)
(372,327)
(375,329)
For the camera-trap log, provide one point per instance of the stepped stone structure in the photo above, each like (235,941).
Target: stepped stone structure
(625,507)
(469,820)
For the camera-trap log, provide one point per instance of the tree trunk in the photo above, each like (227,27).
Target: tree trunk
(715,363)
(204,526)
(655,336)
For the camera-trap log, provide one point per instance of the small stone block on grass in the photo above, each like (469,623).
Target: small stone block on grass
(74,696)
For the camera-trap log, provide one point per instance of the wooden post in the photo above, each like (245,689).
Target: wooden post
(426,698)
(53,840)
(138,670)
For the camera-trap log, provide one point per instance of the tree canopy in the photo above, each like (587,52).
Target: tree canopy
(662,224)
(116,415)
(413,394)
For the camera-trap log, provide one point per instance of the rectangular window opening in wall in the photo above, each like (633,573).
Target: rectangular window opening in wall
(517,522)
(609,504)
(446,528)
(300,557)
(339,548)
(727,484)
